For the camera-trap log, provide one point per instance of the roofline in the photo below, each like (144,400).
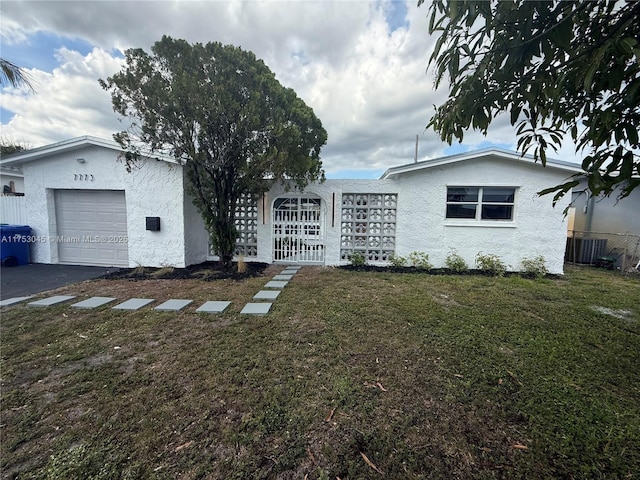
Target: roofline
(69,145)
(486,152)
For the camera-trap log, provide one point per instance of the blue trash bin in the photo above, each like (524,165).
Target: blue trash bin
(14,245)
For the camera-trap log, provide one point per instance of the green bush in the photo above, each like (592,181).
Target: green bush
(491,264)
(357,259)
(397,260)
(420,260)
(534,267)
(455,262)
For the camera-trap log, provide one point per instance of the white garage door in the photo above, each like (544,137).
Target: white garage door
(92,227)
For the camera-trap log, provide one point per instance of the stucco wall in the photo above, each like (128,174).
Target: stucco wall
(154,189)
(537,227)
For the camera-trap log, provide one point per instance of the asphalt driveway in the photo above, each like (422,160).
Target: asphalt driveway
(37,277)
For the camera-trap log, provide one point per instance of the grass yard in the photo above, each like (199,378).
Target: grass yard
(352,375)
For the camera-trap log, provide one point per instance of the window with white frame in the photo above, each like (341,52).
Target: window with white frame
(480,203)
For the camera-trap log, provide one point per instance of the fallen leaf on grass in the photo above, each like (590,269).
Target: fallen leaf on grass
(333,410)
(184,445)
(519,446)
(370,463)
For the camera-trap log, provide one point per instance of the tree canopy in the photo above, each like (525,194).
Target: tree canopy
(557,69)
(222,113)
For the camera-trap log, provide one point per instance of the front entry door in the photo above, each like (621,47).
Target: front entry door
(298,229)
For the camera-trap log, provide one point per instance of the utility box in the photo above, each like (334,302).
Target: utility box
(153,224)
(14,245)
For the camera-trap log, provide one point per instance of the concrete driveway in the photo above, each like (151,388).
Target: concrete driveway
(37,277)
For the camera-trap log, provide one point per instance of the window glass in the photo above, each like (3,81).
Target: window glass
(462,194)
(497,212)
(497,195)
(457,210)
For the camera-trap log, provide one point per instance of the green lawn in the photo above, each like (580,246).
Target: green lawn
(351,375)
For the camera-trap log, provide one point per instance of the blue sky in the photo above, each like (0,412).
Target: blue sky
(361,65)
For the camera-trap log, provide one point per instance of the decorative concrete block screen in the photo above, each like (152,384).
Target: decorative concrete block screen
(368,225)
(246,222)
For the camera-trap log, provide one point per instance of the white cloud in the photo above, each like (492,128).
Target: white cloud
(368,85)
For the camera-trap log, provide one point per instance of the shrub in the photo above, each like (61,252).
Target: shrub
(420,260)
(455,262)
(397,260)
(357,259)
(491,264)
(534,267)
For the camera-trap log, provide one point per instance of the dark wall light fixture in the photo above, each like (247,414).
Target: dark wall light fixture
(153,224)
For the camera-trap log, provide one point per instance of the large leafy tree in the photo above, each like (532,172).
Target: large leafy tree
(557,68)
(221,112)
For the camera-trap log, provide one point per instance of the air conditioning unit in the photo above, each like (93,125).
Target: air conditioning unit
(585,250)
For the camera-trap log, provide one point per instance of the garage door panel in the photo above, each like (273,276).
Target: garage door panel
(92,222)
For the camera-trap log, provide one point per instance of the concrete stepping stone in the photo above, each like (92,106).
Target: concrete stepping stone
(173,305)
(276,284)
(133,304)
(93,302)
(266,295)
(256,308)
(47,302)
(12,301)
(292,269)
(282,277)
(213,307)
(288,272)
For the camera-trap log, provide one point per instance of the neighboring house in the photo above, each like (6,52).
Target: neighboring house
(605,214)
(11,180)
(86,209)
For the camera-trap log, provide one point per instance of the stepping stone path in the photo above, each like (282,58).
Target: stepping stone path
(47,302)
(93,302)
(213,307)
(173,305)
(133,304)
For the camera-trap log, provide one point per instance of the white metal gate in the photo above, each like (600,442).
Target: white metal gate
(298,229)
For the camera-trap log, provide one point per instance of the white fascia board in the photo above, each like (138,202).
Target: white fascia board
(479,154)
(70,145)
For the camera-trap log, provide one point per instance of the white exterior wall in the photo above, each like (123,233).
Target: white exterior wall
(537,227)
(327,191)
(152,190)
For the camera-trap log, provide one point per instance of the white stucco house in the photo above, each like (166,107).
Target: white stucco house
(85,208)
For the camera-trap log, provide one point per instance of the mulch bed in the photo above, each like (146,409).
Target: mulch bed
(207,271)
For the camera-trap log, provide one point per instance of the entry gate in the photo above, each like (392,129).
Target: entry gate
(298,230)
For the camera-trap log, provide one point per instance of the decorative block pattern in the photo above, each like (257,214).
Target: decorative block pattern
(368,225)
(246,223)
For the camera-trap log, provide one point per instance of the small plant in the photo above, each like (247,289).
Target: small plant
(455,262)
(534,267)
(491,264)
(397,260)
(357,259)
(420,260)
